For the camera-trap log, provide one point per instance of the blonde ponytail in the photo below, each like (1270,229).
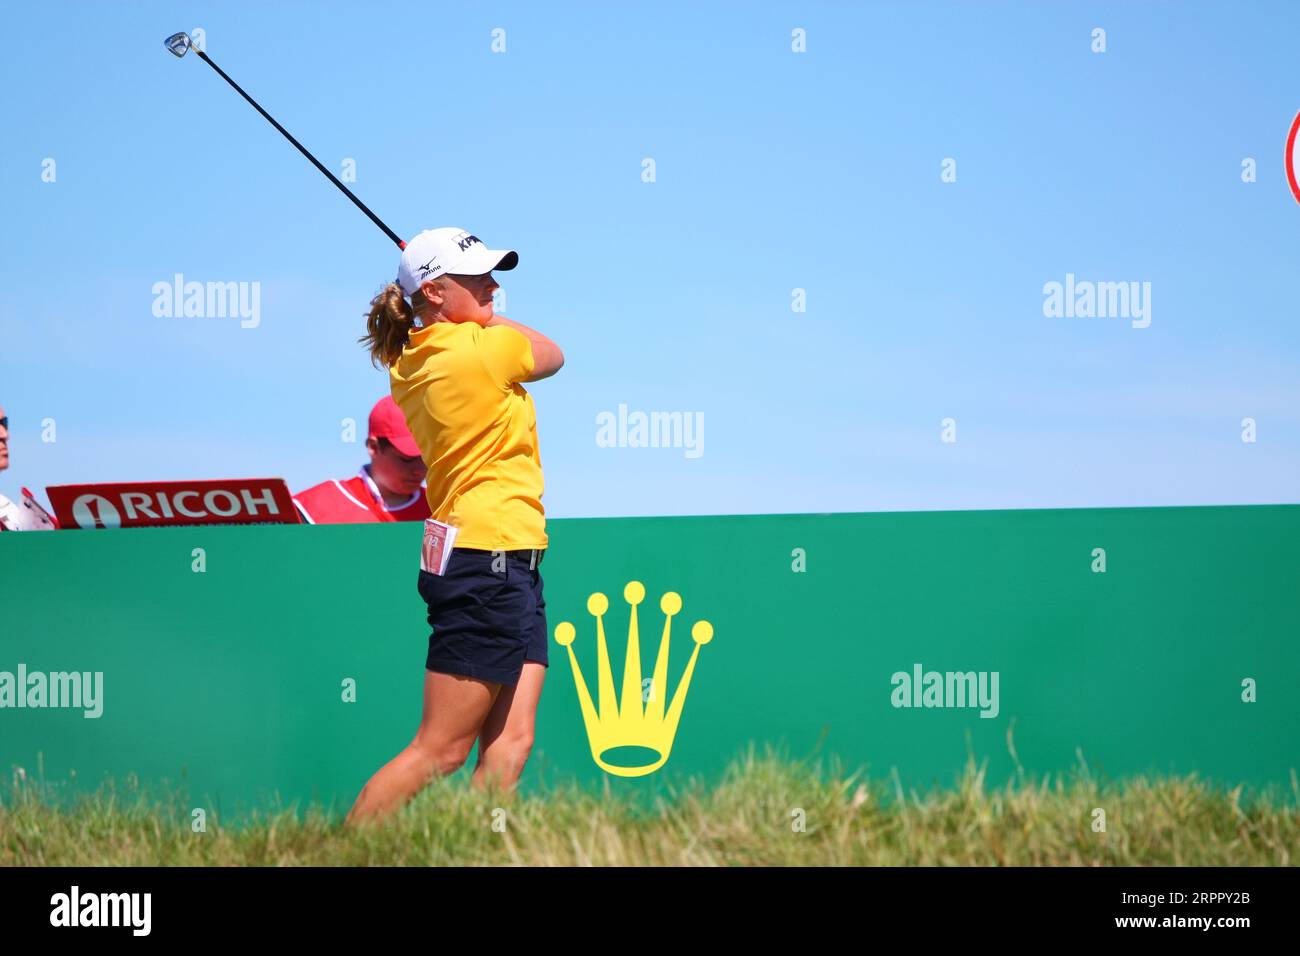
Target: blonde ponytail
(388,326)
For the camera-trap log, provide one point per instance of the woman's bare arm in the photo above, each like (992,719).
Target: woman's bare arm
(547,357)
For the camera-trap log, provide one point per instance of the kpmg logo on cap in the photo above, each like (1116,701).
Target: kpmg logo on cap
(469,241)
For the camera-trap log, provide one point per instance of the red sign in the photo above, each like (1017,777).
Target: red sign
(144,504)
(1290,158)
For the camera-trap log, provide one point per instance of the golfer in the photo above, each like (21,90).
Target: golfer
(456,371)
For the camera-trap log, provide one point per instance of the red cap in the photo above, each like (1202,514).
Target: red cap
(387,421)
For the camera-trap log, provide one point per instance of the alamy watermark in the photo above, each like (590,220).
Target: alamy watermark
(651,430)
(209,300)
(1098,300)
(75,908)
(946,689)
(82,690)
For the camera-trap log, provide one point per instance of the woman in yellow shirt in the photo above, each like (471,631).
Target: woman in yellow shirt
(458,377)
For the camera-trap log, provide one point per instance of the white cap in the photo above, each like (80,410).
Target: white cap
(448,251)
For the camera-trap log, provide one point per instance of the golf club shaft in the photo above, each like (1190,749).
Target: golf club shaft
(302,149)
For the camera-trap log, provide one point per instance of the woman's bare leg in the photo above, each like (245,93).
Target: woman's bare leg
(507,735)
(455,708)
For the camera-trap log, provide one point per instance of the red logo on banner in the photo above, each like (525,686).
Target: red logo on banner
(1290,158)
(153,503)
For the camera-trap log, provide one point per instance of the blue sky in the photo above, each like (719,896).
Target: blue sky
(774,171)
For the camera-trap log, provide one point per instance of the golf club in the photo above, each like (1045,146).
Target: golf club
(179,44)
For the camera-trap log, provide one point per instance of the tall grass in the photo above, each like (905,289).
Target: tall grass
(765,810)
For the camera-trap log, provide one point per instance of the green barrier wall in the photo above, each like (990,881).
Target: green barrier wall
(232,678)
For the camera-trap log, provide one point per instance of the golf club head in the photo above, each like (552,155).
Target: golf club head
(178,44)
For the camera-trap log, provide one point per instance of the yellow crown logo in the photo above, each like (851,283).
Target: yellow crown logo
(629,725)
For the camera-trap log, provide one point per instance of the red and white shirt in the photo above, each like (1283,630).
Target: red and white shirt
(354,500)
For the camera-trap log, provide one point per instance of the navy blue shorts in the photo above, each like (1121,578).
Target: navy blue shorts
(485,623)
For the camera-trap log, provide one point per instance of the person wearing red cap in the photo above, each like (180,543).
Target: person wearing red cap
(390,487)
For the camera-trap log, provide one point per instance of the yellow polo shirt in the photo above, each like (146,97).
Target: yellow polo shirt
(459,386)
